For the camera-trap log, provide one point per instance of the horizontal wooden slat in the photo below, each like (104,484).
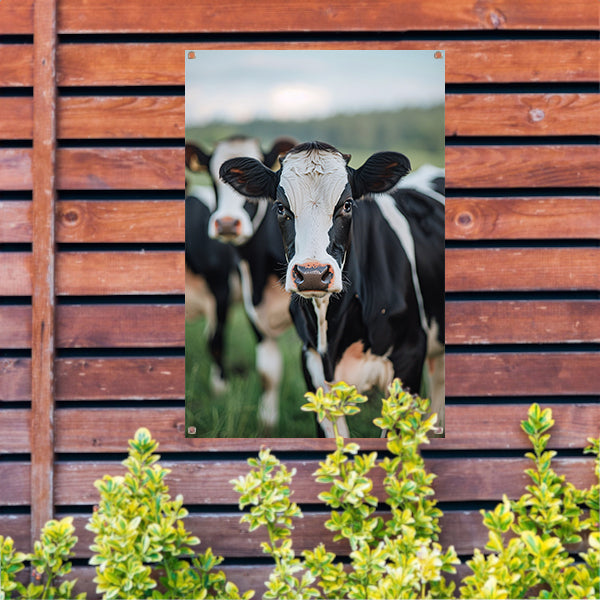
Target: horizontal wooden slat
(376,15)
(151,378)
(522,322)
(466,62)
(522,166)
(15,326)
(16,65)
(16,16)
(106,273)
(522,374)
(120,378)
(121,117)
(15,432)
(502,269)
(206,483)
(15,221)
(467,427)
(459,479)
(16,274)
(120,168)
(84,326)
(522,114)
(16,118)
(522,218)
(120,221)
(15,169)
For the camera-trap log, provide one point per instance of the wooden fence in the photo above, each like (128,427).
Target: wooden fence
(92,234)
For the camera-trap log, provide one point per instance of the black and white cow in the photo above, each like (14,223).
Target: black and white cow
(251,226)
(210,275)
(368,266)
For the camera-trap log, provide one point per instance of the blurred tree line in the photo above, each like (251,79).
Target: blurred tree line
(417,132)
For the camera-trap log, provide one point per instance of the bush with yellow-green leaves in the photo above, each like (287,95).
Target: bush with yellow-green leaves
(141,548)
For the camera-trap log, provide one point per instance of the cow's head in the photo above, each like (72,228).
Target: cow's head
(314,193)
(236,216)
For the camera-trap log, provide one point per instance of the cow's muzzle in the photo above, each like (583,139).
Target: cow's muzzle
(228,227)
(312,277)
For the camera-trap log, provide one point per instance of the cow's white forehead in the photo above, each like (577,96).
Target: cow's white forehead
(232,149)
(313,179)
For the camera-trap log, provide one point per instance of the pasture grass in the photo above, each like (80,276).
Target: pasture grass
(234,412)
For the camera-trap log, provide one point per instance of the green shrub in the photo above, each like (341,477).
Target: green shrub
(401,558)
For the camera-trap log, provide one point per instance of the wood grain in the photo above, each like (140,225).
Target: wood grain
(120,221)
(522,166)
(522,269)
(107,273)
(16,269)
(16,16)
(120,168)
(149,378)
(121,117)
(15,169)
(522,114)
(466,61)
(207,483)
(16,65)
(523,322)
(515,374)
(16,118)
(376,15)
(522,218)
(15,437)
(15,326)
(15,221)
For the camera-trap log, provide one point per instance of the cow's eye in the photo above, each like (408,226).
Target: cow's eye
(348,206)
(280,208)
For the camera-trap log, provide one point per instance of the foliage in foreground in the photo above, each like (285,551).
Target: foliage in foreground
(142,549)
(526,555)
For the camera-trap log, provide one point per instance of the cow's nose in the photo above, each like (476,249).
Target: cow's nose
(228,227)
(314,277)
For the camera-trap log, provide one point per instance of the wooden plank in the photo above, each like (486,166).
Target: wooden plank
(466,61)
(16,65)
(522,218)
(522,114)
(131,325)
(106,273)
(15,221)
(15,169)
(121,117)
(16,17)
(120,221)
(522,166)
(468,427)
(524,269)
(16,120)
(518,374)
(15,435)
(16,269)
(43,259)
(523,322)
(196,16)
(152,378)
(15,379)
(208,482)
(120,168)
(15,326)
(16,483)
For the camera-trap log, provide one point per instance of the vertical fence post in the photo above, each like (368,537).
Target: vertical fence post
(43,299)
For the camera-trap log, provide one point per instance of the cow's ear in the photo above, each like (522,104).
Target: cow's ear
(381,172)
(249,177)
(196,159)
(280,146)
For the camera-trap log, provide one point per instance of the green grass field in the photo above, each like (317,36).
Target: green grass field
(234,413)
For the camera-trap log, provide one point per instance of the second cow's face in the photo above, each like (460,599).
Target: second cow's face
(313,195)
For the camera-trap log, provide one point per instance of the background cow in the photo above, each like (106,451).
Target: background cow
(210,275)
(251,227)
(367,267)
